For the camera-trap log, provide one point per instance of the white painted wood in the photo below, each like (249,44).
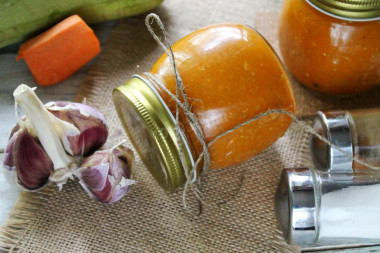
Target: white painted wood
(8,196)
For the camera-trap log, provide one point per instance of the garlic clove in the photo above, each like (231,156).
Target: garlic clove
(106,174)
(121,189)
(93,129)
(45,125)
(26,162)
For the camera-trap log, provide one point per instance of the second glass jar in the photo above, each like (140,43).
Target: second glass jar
(332,46)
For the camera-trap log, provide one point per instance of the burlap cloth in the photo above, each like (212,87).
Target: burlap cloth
(238,215)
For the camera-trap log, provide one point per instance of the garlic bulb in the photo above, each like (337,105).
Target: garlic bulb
(106,174)
(50,135)
(49,141)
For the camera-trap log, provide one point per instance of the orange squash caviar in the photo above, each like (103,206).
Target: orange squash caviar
(329,54)
(230,75)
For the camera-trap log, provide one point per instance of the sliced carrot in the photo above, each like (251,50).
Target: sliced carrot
(60,51)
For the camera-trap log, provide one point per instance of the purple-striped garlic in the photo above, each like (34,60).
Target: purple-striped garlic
(106,174)
(26,163)
(50,134)
(93,130)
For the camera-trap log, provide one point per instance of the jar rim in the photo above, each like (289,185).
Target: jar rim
(158,125)
(352,10)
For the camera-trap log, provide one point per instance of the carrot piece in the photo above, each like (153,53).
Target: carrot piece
(60,51)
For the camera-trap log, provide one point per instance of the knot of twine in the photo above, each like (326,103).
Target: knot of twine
(191,176)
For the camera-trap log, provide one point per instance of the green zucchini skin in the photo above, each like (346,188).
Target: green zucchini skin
(22,19)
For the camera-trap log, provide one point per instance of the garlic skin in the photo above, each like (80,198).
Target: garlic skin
(45,125)
(106,174)
(49,141)
(93,129)
(26,163)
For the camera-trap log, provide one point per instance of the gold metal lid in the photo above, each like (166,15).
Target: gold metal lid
(356,10)
(151,127)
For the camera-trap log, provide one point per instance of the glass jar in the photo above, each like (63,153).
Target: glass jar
(353,131)
(319,208)
(230,74)
(332,46)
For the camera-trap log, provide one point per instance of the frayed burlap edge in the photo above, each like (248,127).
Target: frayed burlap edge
(22,215)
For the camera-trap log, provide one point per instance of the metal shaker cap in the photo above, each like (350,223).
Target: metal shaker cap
(335,127)
(295,206)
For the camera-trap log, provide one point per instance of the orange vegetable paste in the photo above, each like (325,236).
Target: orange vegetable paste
(230,74)
(329,54)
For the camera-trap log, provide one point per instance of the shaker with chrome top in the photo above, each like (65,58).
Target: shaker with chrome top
(316,208)
(356,132)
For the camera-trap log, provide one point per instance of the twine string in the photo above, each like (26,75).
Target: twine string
(182,103)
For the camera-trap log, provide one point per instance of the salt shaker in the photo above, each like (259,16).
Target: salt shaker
(316,208)
(353,131)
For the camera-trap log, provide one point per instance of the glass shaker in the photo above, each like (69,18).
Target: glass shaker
(316,208)
(353,131)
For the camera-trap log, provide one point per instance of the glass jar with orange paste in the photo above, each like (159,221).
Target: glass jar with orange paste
(230,74)
(332,46)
